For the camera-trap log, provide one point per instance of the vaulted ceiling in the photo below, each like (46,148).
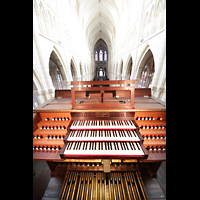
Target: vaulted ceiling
(99,19)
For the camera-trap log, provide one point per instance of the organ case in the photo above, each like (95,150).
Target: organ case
(52,121)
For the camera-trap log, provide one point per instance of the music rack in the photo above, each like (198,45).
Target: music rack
(102,96)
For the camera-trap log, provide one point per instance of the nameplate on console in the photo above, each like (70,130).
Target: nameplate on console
(102,114)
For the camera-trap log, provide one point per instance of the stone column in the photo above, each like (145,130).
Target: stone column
(159,62)
(137,81)
(38,96)
(51,92)
(163,97)
(68,84)
(119,76)
(44,61)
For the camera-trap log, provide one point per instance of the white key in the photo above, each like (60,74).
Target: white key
(133,150)
(103,151)
(112,137)
(135,135)
(141,151)
(81,148)
(126,149)
(129,123)
(126,137)
(90,151)
(87,149)
(73,151)
(67,151)
(81,151)
(120,151)
(113,150)
(78,123)
(104,148)
(97,149)
(117,135)
(130,150)
(108,151)
(138,150)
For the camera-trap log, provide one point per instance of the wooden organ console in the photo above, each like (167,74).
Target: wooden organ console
(99,138)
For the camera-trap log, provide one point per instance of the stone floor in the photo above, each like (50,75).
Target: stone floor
(156,187)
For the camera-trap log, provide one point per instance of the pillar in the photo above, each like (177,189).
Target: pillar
(137,81)
(39,96)
(159,63)
(44,61)
(68,84)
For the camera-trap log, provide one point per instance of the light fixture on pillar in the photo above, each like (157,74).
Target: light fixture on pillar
(79,86)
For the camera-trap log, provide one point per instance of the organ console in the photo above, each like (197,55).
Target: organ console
(99,138)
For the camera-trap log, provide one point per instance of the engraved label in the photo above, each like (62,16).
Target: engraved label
(102,114)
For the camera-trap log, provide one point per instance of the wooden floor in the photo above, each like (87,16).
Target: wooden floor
(46,187)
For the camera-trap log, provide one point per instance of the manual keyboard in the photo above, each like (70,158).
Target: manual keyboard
(102,124)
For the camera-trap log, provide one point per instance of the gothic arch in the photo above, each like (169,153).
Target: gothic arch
(57,70)
(140,58)
(146,68)
(73,68)
(128,68)
(60,62)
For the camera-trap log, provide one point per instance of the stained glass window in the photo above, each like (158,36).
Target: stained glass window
(105,56)
(35,103)
(96,56)
(100,55)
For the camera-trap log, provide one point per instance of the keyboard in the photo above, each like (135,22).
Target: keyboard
(103,135)
(102,124)
(103,139)
(103,149)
